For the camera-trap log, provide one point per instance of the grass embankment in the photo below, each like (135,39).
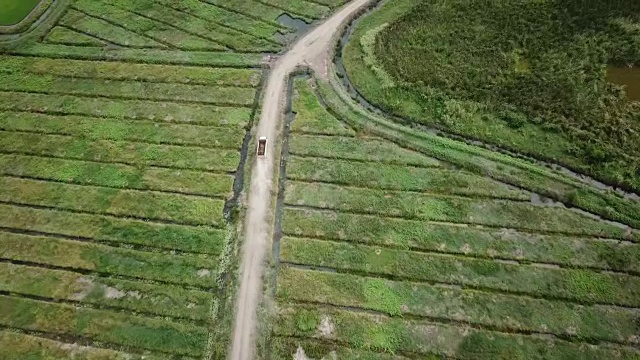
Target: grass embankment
(526,75)
(390,254)
(13,11)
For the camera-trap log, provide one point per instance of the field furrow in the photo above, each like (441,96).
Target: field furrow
(252,8)
(98,200)
(117,176)
(151,299)
(503,312)
(160,32)
(582,286)
(90,257)
(373,150)
(65,36)
(289,347)
(421,338)
(123,130)
(106,31)
(201,239)
(14,345)
(152,56)
(460,239)
(103,326)
(307,9)
(311,117)
(225,17)
(502,213)
(130,153)
(126,109)
(46,84)
(396,177)
(131,71)
(203,28)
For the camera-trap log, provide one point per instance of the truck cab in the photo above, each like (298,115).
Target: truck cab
(262,146)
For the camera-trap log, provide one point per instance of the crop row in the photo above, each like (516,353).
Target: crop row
(232,19)
(288,347)
(123,130)
(175,269)
(166,34)
(97,200)
(307,9)
(199,239)
(253,8)
(396,177)
(131,71)
(578,285)
(397,336)
(164,300)
(127,89)
(117,175)
(505,312)
(311,116)
(126,109)
(66,36)
(15,346)
(152,56)
(359,149)
(493,164)
(473,241)
(502,213)
(195,25)
(103,326)
(103,30)
(123,28)
(130,153)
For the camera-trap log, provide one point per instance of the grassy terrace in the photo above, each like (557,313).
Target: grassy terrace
(390,254)
(122,137)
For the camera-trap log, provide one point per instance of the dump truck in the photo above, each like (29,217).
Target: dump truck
(262,146)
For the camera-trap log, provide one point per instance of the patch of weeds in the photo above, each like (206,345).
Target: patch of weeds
(307,320)
(381,296)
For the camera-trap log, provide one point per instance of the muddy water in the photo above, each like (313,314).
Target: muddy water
(300,27)
(627,76)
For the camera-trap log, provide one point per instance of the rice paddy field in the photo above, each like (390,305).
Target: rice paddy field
(386,252)
(123,136)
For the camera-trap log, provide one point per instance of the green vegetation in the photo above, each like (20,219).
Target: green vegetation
(455,239)
(311,116)
(122,147)
(176,269)
(399,243)
(396,177)
(529,76)
(13,11)
(505,312)
(110,327)
(372,332)
(162,300)
(500,213)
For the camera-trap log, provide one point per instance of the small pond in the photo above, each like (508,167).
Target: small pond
(13,11)
(627,76)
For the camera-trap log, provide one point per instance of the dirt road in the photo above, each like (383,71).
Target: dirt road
(311,50)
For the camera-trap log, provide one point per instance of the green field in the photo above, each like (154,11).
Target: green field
(13,11)
(528,76)
(387,253)
(122,152)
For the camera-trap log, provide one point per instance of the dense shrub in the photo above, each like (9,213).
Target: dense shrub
(535,63)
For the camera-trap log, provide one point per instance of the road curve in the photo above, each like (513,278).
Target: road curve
(312,50)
